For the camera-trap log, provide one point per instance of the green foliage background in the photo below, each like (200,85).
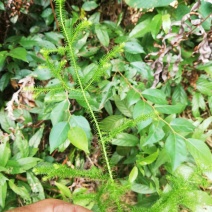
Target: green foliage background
(109,116)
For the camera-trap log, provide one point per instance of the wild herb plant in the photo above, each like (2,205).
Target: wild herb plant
(116,112)
(172,135)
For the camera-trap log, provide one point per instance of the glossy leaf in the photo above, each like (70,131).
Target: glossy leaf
(60,112)
(102,35)
(176,150)
(182,125)
(18,53)
(166,22)
(111,122)
(58,135)
(5,153)
(204,86)
(35,140)
(124,139)
(143,161)
(133,47)
(89,5)
(155,96)
(123,106)
(154,136)
(170,109)
(142,189)
(3,194)
(140,29)
(20,190)
(64,190)
(78,138)
(148,4)
(80,121)
(200,152)
(133,174)
(36,186)
(198,103)
(179,95)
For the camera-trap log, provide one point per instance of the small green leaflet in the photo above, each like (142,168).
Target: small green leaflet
(133,174)
(148,4)
(89,5)
(143,161)
(3,194)
(78,138)
(102,35)
(18,53)
(58,135)
(182,125)
(200,152)
(156,96)
(154,137)
(176,149)
(125,139)
(170,109)
(133,47)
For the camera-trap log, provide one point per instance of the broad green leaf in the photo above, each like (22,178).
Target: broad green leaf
(198,102)
(200,152)
(60,112)
(111,122)
(176,150)
(132,97)
(89,5)
(154,137)
(36,138)
(5,153)
(140,29)
(58,135)
(102,35)
(204,86)
(6,122)
(64,190)
(78,138)
(27,43)
(80,121)
(143,161)
(133,47)
(133,174)
(18,53)
(3,194)
(166,22)
(53,96)
(42,73)
(179,95)
(182,125)
(143,69)
(148,4)
(142,108)
(36,186)
(22,144)
(201,199)
(155,25)
(3,179)
(3,56)
(170,109)
(20,190)
(4,81)
(155,96)
(27,163)
(142,189)
(205,10)
(123,106)
(2,8)
(124,139)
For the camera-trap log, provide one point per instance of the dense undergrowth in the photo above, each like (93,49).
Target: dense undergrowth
(108,116)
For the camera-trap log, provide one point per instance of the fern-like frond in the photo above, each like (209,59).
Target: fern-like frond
(103,64)
(128,123)
(62,171)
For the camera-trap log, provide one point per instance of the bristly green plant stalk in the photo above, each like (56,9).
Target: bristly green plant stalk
(70,39)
